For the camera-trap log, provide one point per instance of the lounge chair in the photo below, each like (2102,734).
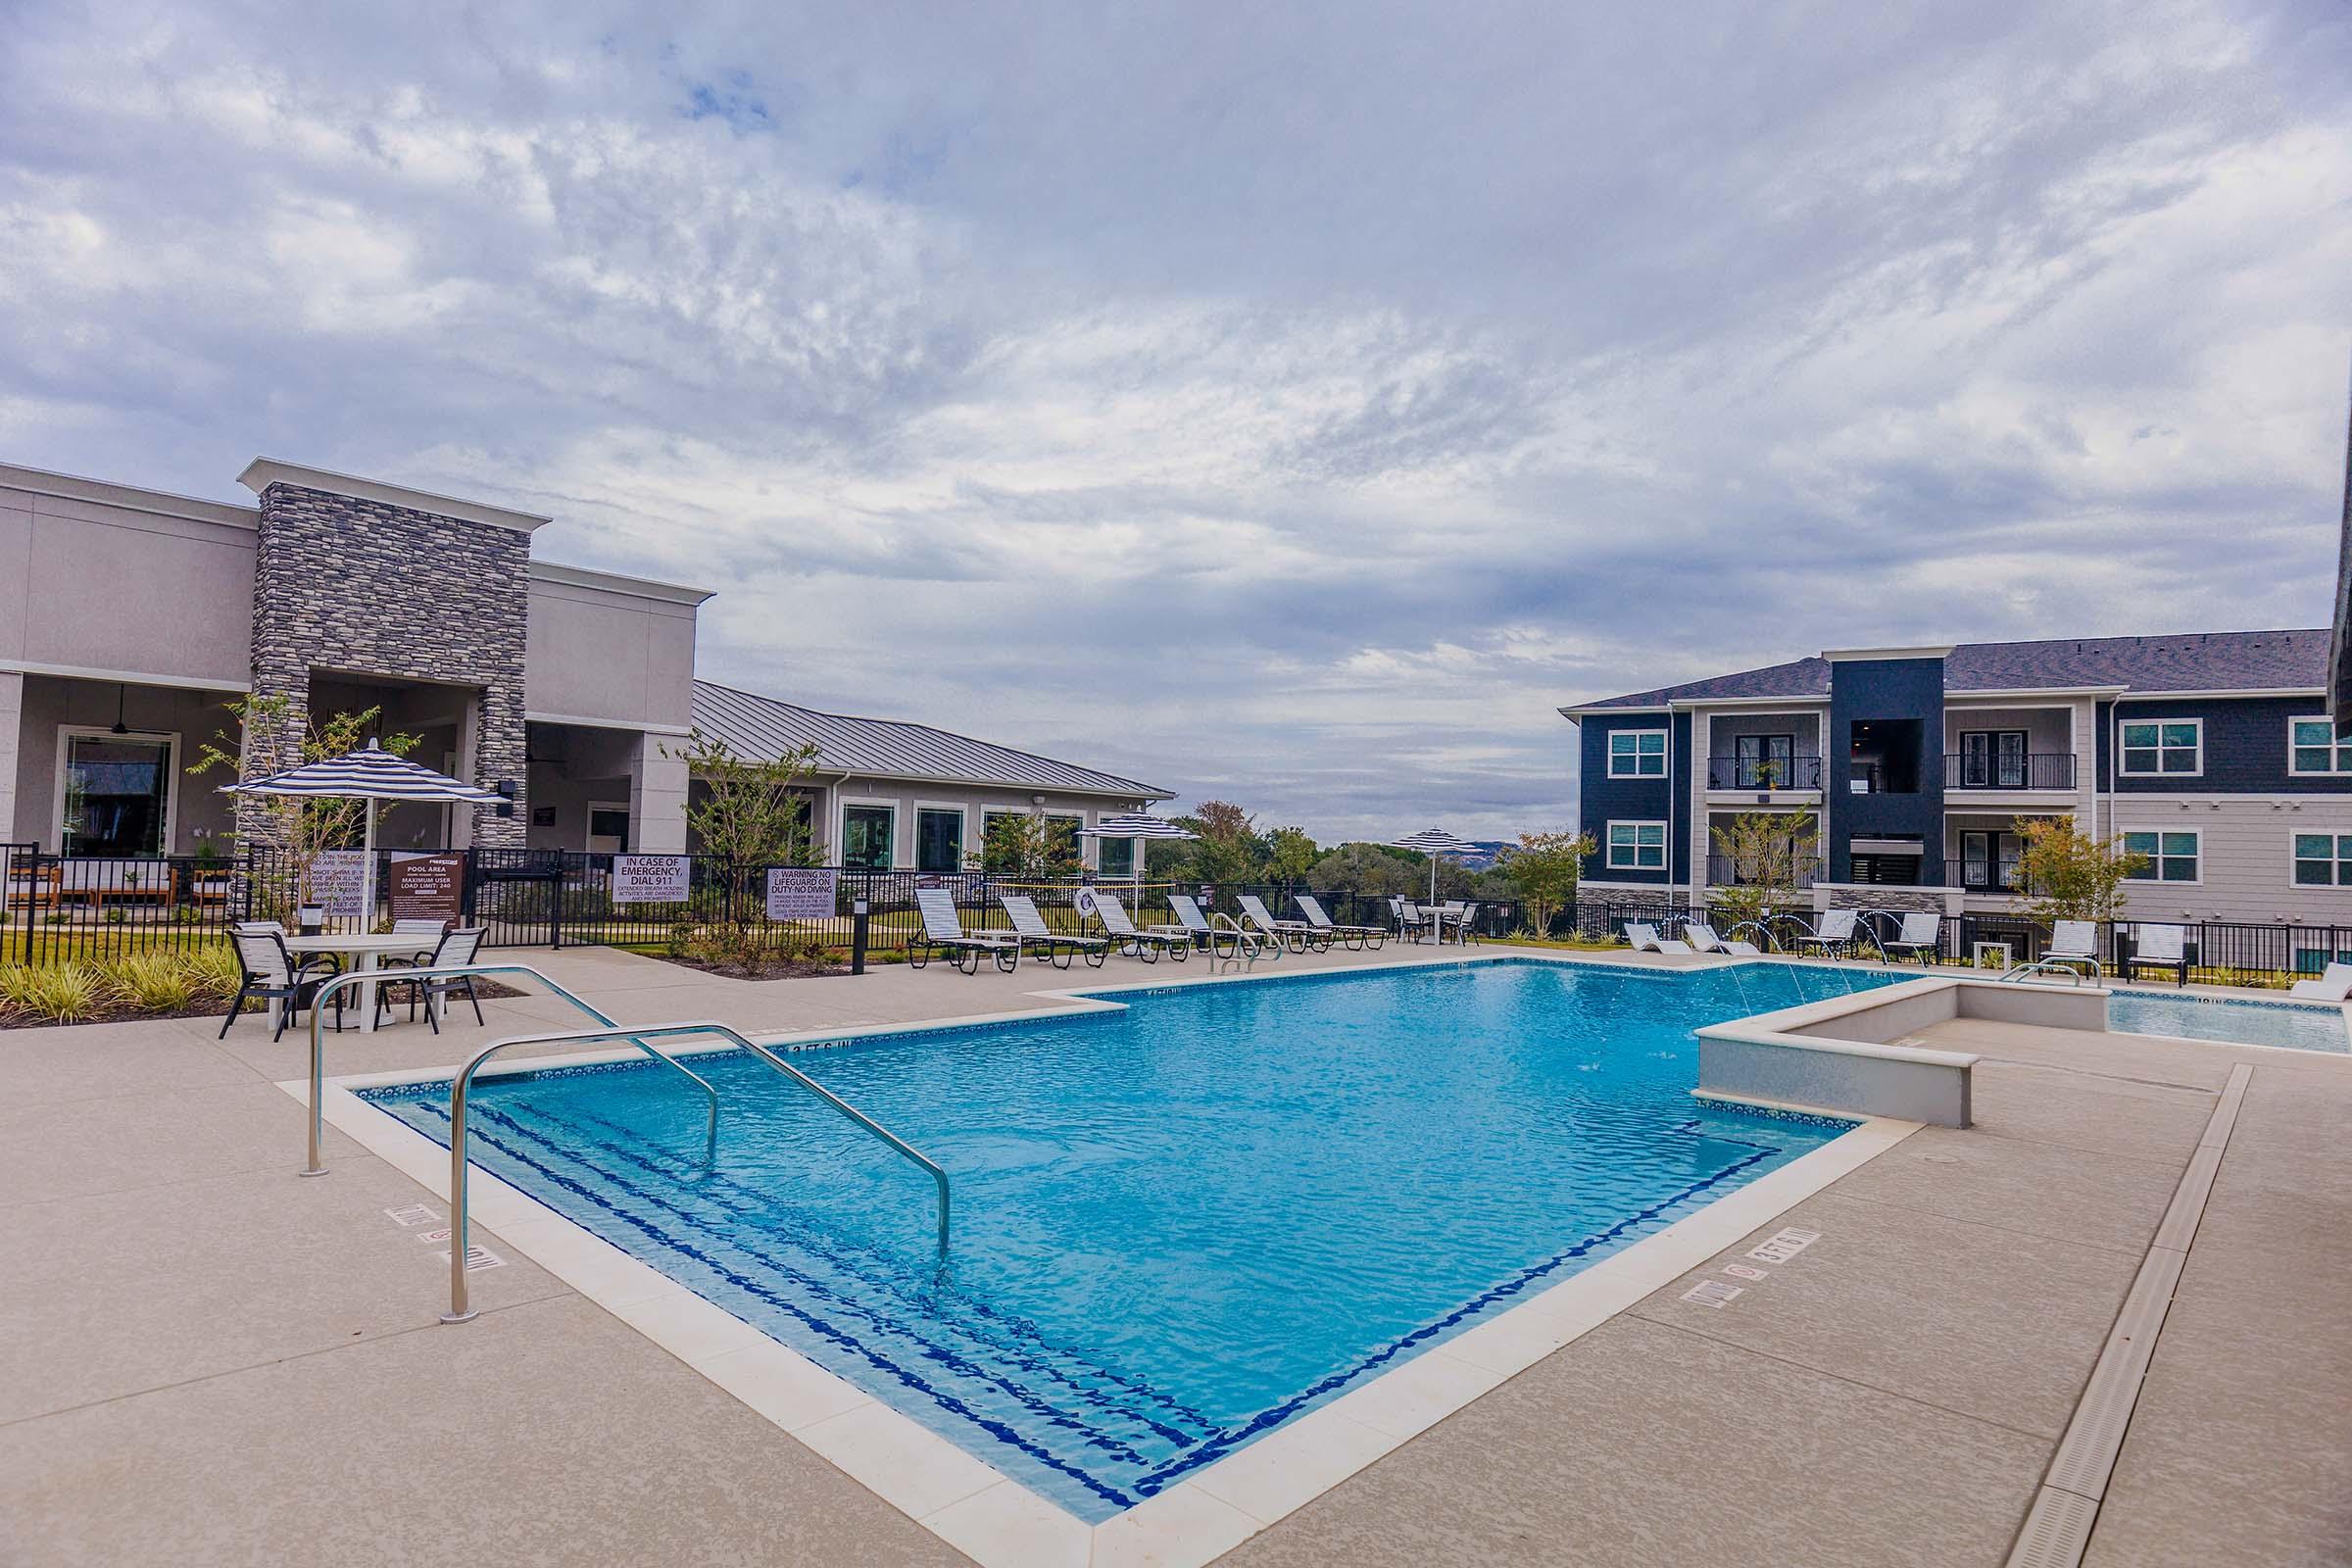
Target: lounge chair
(1833,933)
(2159,947)
(1297,934)
(1125,939)
(1920,939)
(1645,939)
(1221,934)
(1058,946)
(1353,936)
(942,929)
(2074,942)
(1702,936)
(2335,985)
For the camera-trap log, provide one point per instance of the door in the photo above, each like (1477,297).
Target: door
(1992,759)
(1988,861)
(1763,762)
(609,829)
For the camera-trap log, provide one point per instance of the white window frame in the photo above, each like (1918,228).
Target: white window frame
(1665,754)
(963,833)
(2339,749)
(2338,857)
(2121,771)
(2154,878)
(898,836)
(588,820)
(1609,844)
(67,733)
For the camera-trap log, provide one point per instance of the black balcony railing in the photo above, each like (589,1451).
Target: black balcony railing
(1728,872)
(1982,876)
(1763,772)
(1978,771)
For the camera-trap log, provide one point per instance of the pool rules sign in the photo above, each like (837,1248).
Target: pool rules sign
(797,893)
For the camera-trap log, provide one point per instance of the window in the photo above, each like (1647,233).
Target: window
(1763,762)
(939,839)
(2324,859)
(865,836)
(116,793)
(1064,831)
(1992,759)
(2172,857)
(1638,754)
(1116,856)
(2155,748)
(1989,860)
(1637,847)
(2316,746)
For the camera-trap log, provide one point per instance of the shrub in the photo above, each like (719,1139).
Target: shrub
(213,971)
(159,982)
(62,993)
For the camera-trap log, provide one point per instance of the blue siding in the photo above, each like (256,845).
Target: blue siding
(2245,745)
(1680,831)
(1891,689)
(1602,798)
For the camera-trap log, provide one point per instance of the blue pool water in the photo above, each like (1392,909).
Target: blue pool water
(1176,1226)
(2296,1025)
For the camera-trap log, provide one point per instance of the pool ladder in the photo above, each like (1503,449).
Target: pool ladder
(637,1035)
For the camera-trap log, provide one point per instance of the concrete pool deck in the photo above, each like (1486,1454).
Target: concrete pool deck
(209,1360)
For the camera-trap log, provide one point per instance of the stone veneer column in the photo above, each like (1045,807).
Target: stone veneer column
(367,588)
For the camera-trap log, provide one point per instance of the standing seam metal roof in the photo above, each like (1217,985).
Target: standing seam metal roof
(758,726)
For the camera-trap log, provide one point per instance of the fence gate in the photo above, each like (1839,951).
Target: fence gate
(517,895)
(18,901)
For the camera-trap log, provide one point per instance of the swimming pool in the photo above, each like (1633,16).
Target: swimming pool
(1179,1225)
(2295,1025)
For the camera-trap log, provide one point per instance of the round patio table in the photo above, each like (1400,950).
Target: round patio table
(366,952)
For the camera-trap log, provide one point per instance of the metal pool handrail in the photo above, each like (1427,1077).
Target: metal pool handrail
(458,1311)
(394,976)
(2069,967)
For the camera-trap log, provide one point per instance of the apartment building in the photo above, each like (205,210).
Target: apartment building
(2211,752)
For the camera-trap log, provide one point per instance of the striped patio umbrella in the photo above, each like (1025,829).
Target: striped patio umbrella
(370,774)
(1433,842)
(1137,825)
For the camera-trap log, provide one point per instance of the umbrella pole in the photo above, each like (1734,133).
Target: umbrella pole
(367,870)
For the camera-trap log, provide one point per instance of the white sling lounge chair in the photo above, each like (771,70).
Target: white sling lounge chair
(1222,935)
(1645,939)
(1702,936)
(1353,936)
(1297,934)
(1920,939)
(1058,946)
(2336,985)
(2074,942)
(944,929)
(1149,945)
(1832,934)
(2159,947)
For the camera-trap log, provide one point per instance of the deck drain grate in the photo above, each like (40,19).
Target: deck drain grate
(2056,1532)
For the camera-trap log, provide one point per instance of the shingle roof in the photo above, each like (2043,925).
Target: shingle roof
(758,726)
(2187,662)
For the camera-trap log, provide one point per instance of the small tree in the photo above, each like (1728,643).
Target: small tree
(2070,875)
(753,813)
(1768,852)
(1373,869)
(1544,869)
(1228,849)
(1027,845)
(301,826)
(1290,854)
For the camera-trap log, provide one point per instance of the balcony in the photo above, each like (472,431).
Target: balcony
(1978,770)
(1725,871)
(1982,876)
(1763,772)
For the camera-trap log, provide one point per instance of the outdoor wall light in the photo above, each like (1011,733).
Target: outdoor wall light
(505,807)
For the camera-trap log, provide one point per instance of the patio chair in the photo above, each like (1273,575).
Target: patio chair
(1221,934)
(2333,985)
(1645,939)
(1297,934)
(428,934)
(1148,946)
(1465,925)
(2159,947)
(1921,938)
(271,974)
(455,950)
(1832,934)
(2074,942)
(1416,922)
(1060,947)
(1702,936)
(1351,936)
(942,929)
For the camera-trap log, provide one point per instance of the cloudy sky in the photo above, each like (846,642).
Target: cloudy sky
(1291,404)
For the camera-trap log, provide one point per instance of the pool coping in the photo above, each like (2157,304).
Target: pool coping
(994,1518)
